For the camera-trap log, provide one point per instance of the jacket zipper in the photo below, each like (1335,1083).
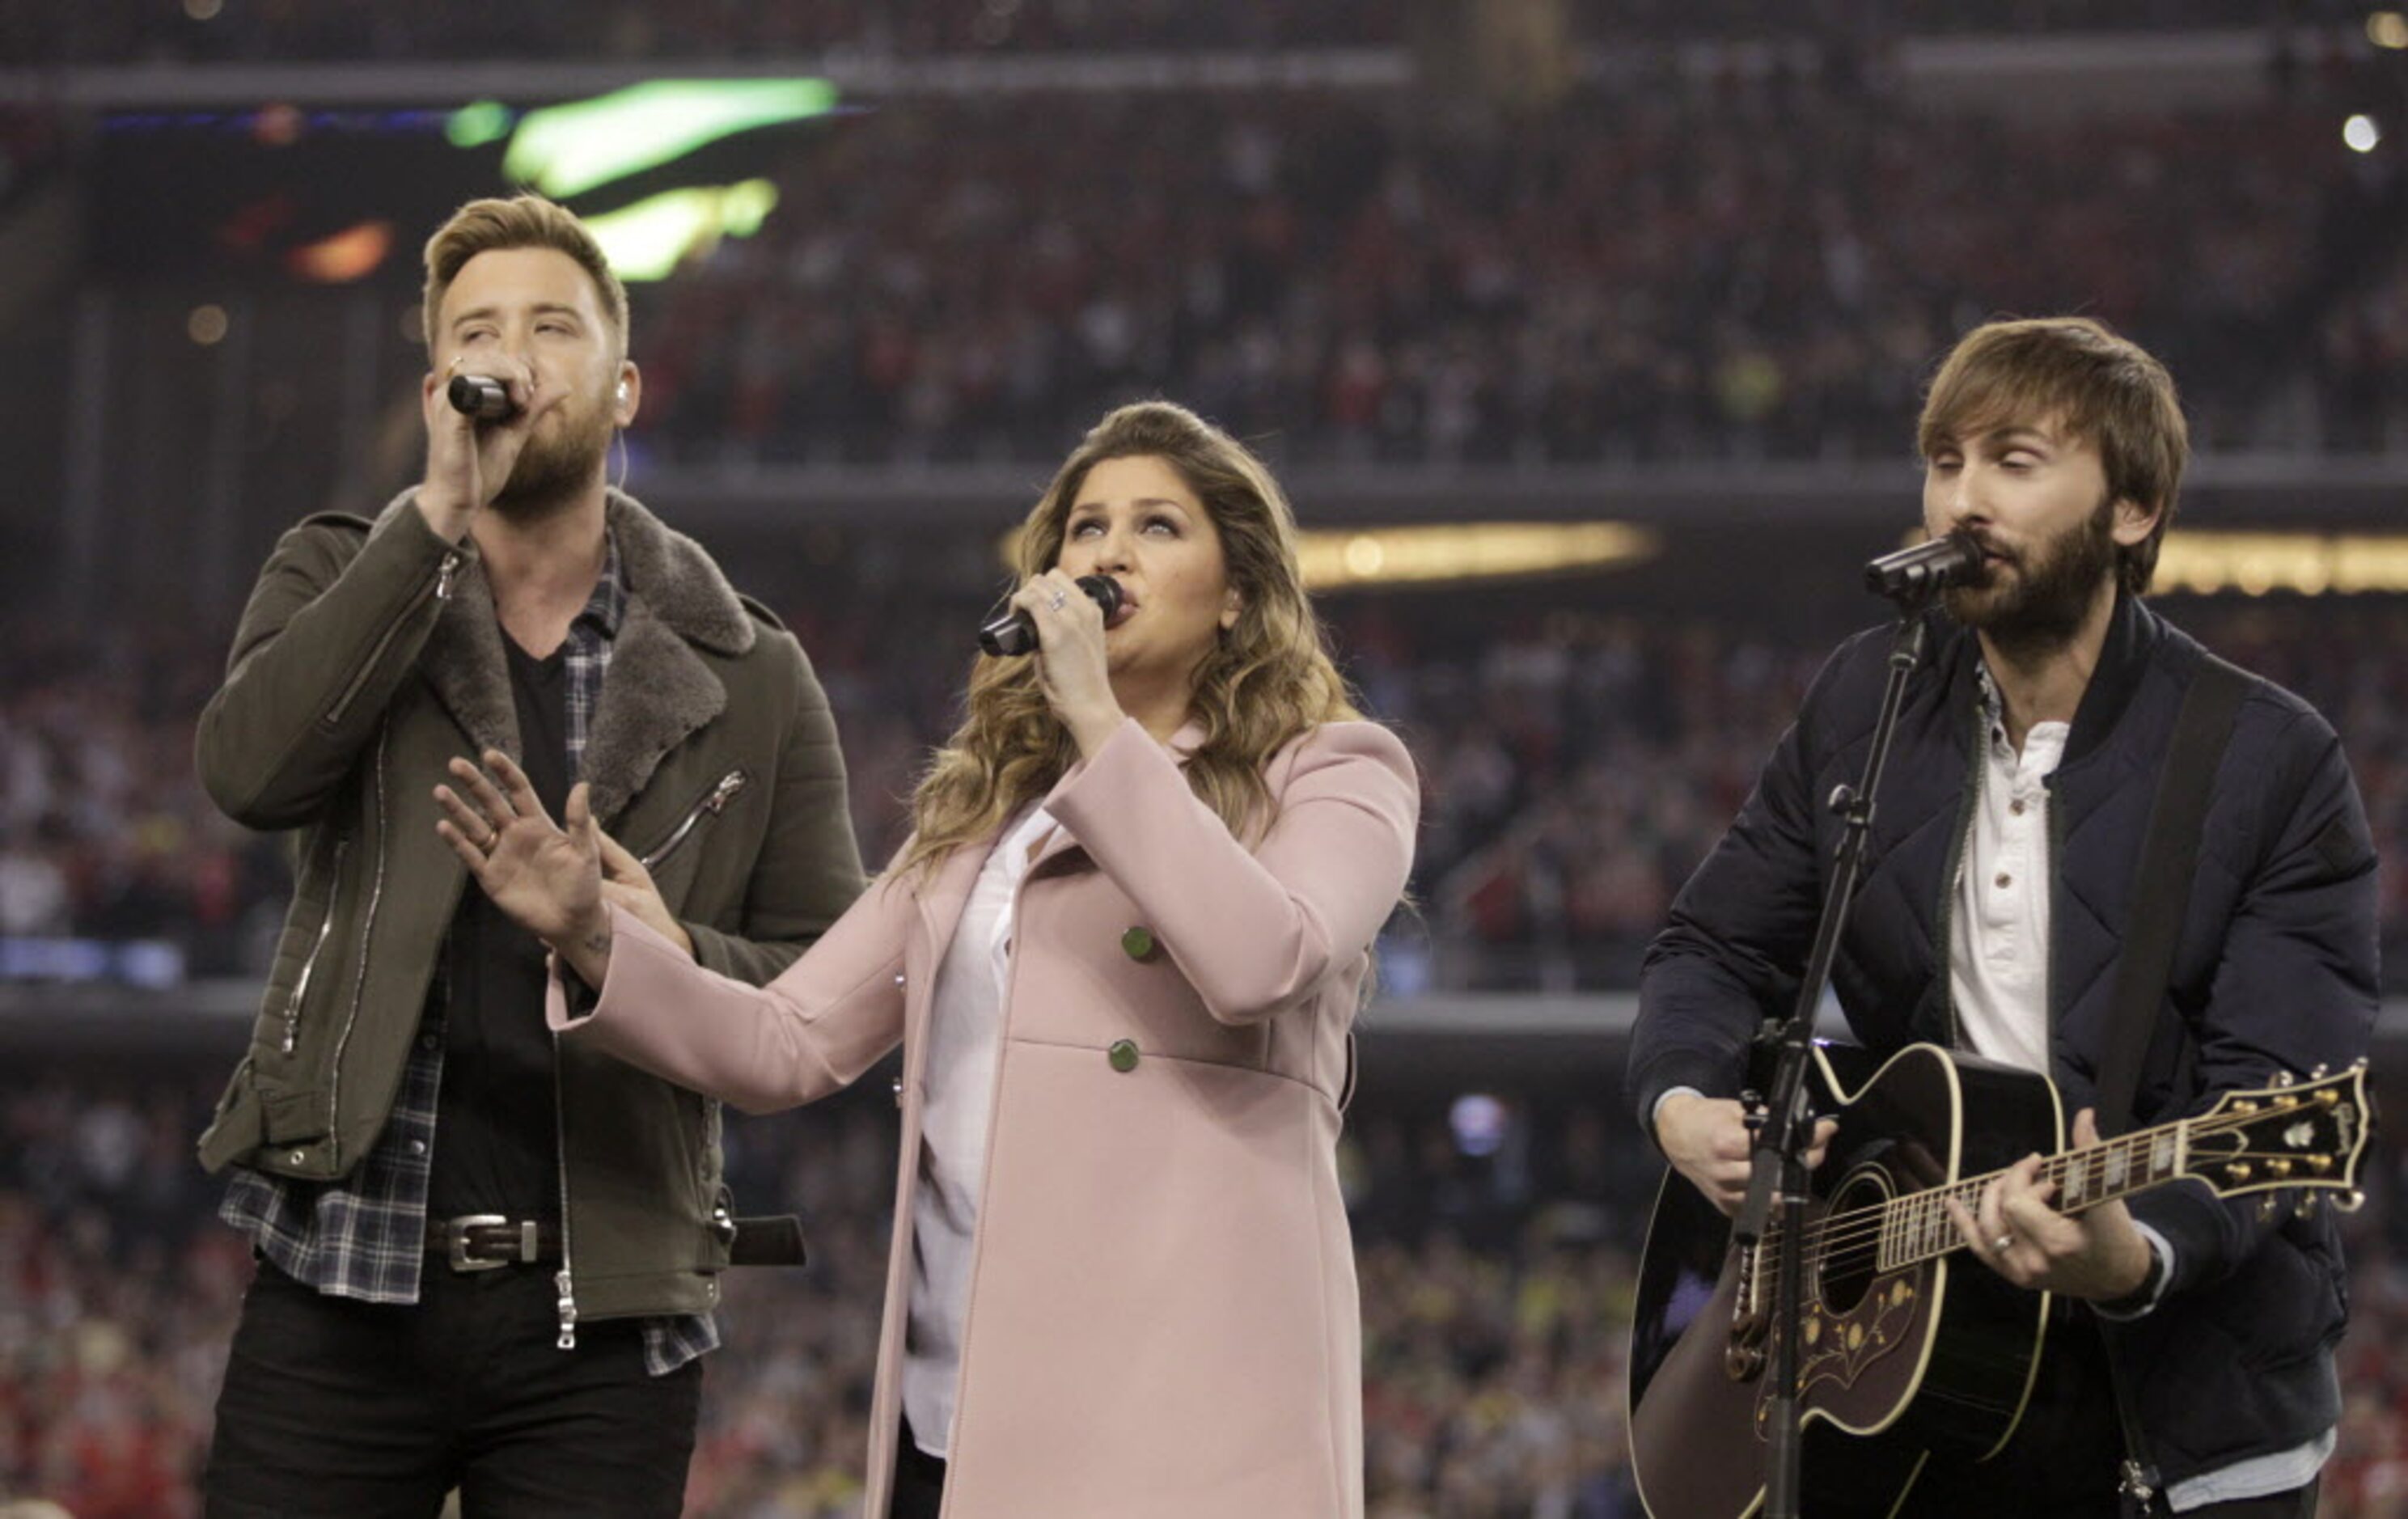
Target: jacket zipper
(563,1280)
(317,947)
(376,656)
(367,931)
(714,804)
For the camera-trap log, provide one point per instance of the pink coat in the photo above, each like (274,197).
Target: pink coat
(1162,1318)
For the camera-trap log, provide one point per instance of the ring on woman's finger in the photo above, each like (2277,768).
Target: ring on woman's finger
(1057,600)
(2003,1242)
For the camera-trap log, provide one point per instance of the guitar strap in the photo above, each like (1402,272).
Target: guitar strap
(2160,898)
(2161,884)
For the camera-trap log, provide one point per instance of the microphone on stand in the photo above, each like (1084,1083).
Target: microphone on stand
(1918,573)
(480,396)
(1015,631)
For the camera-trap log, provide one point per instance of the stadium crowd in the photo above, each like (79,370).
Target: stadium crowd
(120,31)
(1734,269)
(1496,1297)
(1671,264)
(1577,763)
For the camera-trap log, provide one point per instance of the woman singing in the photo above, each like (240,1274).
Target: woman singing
(1122,951)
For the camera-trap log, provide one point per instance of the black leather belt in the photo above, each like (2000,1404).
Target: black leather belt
(483,1241)
(486,1241)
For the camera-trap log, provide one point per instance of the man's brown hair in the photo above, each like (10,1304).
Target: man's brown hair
(524,220)
(2076,374)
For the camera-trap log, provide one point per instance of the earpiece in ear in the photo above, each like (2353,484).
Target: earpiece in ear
(622,393)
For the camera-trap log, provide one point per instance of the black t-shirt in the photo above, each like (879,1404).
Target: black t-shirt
(497,1140)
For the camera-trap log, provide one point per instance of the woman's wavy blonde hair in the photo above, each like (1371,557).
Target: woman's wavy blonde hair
(1266,680)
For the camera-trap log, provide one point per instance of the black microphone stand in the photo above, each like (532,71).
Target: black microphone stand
(1787,1130)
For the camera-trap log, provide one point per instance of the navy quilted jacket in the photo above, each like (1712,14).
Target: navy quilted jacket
(2276,968)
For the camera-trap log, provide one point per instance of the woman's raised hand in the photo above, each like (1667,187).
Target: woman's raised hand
(548,879)
(1070,662)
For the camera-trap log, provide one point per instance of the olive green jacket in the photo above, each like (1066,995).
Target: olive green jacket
(370,656)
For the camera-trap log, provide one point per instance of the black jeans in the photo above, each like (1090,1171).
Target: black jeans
(918,1480)
(368,1410)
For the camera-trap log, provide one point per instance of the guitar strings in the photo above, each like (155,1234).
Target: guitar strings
(1847,1235)
(1850,1233)
(1851,1225)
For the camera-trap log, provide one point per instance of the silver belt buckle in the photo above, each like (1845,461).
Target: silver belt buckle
(455,1239)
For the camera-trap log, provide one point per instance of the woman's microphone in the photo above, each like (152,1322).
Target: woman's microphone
(1015,631)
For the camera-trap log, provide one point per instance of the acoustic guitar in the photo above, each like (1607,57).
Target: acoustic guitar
(1908,1351)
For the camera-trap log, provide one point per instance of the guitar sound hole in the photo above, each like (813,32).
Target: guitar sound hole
(1844,1261)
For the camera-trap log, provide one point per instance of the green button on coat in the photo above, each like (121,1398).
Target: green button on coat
(1123,1055)
(1138,942)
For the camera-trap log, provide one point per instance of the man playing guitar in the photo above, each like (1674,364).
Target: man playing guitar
(1996,893)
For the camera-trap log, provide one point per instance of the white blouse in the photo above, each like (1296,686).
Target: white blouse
(965,1044)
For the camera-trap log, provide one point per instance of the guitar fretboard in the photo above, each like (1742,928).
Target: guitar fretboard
(1917,1227)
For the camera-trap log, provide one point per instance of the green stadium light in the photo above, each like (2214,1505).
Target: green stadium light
(649,239)
(563,151)
(478,123)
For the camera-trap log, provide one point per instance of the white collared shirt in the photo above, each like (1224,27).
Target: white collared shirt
(1998,945)
(964,1046)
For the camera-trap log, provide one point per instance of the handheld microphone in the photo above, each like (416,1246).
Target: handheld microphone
(1917,573)
(1015,631)
(480,396)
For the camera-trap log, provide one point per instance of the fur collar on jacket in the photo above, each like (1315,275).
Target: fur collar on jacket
(660,688)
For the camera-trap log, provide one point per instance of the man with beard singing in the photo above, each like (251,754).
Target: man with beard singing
(487,1262)
(1997,893)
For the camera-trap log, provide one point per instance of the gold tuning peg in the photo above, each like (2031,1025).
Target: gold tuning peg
(2308,1204)
(2350,1201)
(2283,1077)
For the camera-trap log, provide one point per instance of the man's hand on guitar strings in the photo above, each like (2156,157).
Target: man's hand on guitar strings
(1708,1140)
(2098,1255)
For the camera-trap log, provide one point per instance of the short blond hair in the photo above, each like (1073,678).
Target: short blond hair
(524,220)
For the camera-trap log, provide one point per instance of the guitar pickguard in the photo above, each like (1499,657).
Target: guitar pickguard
(1840,1347)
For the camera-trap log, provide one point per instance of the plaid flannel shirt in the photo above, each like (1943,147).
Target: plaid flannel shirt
(365,1237)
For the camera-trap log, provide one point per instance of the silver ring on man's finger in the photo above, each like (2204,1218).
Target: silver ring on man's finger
(2003,1242)
(1057,600)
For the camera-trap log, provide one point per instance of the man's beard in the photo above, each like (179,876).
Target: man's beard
(2056,586)
(553,469)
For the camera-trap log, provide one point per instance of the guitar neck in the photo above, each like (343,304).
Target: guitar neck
(2307,1136)
(1917,1226)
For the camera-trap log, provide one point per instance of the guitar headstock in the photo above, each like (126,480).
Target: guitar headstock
(2309,1133)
